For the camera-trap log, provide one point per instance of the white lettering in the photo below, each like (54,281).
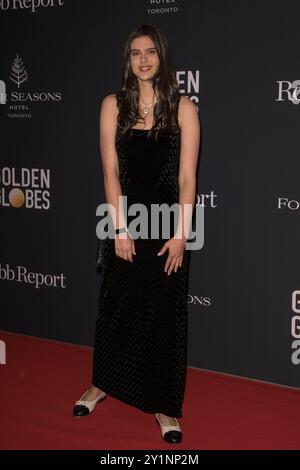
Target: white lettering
(296,301)
(31,5)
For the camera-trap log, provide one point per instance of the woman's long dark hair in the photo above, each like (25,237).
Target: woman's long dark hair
(164,83)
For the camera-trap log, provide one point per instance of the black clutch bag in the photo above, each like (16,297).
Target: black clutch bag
(102,249)
(99,255)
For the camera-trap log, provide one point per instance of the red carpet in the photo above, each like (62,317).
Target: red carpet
(42,379)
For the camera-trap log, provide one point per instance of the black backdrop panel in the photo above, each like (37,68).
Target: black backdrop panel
(58,62)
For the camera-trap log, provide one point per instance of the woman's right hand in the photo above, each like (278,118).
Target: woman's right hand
(124,247)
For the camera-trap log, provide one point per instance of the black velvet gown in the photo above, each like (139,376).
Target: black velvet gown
(141,333)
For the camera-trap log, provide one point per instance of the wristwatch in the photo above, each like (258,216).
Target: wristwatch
(121,230)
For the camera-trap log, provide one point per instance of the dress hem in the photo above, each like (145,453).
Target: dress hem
(129,402)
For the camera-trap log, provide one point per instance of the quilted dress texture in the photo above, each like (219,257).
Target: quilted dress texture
(140,347)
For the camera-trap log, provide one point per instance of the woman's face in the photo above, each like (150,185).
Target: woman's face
(144,58)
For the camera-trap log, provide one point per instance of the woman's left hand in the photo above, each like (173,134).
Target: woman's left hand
(176,247)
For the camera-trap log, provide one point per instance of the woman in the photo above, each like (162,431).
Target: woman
(149,143)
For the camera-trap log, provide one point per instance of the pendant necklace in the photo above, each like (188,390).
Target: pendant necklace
(146,108)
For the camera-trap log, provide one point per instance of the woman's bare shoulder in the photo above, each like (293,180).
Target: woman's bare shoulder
(109,102)
(109,115)
(186,105)
(187,111)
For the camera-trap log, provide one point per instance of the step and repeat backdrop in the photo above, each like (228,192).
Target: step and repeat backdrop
(238,61)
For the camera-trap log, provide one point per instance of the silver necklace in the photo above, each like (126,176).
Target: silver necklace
(146,107)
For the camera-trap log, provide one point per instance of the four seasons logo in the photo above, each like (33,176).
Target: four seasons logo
(18,75)
(20,102)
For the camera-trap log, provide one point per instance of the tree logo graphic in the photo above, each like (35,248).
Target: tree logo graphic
(18,74)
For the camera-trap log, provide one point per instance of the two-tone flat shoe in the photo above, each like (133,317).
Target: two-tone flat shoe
(84,407)
(170,433)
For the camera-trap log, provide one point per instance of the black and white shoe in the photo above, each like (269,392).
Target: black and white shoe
(84,407)
(170,433)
